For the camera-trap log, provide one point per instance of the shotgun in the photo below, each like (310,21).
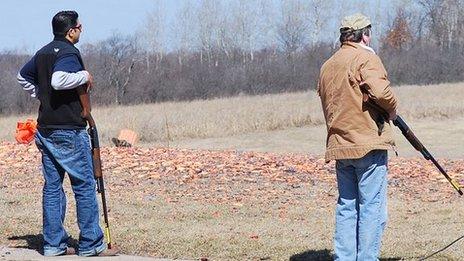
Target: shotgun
(415,142)
(84,98)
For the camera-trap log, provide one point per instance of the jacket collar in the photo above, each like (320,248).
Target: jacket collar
(357,46)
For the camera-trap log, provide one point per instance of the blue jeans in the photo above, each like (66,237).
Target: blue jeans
(68,151)
(361,212)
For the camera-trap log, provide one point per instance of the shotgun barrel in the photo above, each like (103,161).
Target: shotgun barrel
(415,142)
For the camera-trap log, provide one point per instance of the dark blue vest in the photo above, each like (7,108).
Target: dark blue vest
(59,109)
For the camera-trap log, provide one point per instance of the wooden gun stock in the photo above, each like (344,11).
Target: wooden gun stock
(410,136)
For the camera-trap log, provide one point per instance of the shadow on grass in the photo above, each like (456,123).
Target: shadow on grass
(35,242)
(316,255)
(32,241)
(323,255)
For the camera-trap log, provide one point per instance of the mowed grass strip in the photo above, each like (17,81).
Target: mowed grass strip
(223,117)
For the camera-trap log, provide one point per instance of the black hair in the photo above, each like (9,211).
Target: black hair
(348,34)
(63,21)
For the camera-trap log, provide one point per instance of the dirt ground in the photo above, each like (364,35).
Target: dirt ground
(25,254)
(443,138)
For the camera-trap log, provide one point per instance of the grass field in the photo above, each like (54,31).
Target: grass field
(148,224)
(443,138)
(190,230)
(160,123)
(280,209)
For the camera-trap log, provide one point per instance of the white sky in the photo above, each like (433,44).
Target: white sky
(26,24)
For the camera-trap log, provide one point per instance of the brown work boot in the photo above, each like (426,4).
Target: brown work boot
(114,251)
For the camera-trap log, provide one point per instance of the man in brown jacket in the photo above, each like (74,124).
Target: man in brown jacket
(358,139)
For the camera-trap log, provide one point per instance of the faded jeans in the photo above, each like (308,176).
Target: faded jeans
(361,212)
(68,151)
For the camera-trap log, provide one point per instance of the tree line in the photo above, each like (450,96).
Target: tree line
(226,48)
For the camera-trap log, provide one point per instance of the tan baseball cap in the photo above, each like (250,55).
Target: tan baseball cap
(355,22)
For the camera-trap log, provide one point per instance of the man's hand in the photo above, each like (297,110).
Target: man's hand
(392,116)
(365,97)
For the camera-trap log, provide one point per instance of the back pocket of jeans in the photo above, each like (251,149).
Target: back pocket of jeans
(64,144)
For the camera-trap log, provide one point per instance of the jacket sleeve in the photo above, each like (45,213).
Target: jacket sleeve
(27,77)
(68,73)
(374,81)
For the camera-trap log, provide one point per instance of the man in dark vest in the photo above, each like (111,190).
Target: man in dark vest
(52,76)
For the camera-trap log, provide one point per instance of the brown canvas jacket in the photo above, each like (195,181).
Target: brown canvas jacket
(353,128)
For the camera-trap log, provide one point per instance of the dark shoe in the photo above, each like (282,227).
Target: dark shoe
(114,251)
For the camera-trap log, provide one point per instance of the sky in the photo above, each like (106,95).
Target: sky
(26,24)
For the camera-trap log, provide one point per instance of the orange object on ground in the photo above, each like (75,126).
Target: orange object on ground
(25,131)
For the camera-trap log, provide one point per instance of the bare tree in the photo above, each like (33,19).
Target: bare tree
(445,20)
(247,26)
(318,14)
(119,55)
(154,34)
(208,14)
(186,30)
(293,29)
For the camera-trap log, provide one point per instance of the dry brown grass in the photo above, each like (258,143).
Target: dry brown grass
(431,101)
(190,229)
(246,114)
